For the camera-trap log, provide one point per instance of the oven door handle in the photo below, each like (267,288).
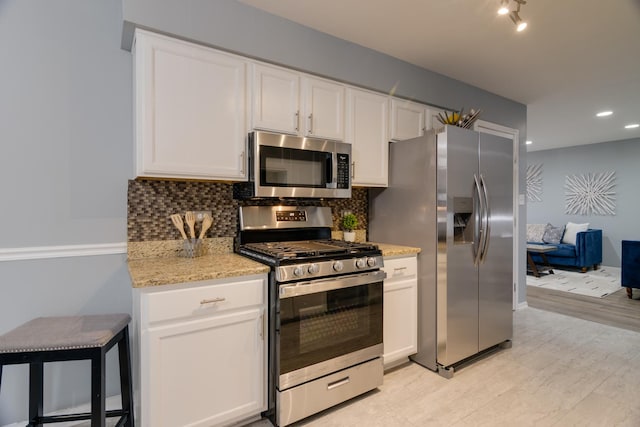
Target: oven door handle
(330,283)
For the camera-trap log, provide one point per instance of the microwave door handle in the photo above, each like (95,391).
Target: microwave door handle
(334,170)
(330,167)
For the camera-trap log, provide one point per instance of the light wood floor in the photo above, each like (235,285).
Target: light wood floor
(562,371)
(615,309)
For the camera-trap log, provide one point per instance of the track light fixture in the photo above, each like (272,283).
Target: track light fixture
(513,14)
(504,7)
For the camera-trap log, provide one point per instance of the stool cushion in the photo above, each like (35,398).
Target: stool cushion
(63,333)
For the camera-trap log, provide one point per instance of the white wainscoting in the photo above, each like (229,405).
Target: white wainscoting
(44,252)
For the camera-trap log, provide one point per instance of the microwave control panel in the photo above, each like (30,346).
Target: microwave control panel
(343,171)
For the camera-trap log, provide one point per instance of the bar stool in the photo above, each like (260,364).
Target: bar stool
(56,339)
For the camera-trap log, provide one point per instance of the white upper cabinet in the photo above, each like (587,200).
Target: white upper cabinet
(294,103)
(324,109)
(407,119)
(191,110)
(411,120)
(276,99)
(432,121)
(367,132)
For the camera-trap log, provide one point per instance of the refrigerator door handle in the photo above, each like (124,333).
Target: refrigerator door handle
(478,218)
(486,234)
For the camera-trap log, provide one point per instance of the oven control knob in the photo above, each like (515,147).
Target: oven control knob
(361,263)
(298,271)
(338,266)
(371,262)
(313,269)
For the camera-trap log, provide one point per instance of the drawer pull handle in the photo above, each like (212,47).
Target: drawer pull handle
(338,383)
(209,301)
(399,268)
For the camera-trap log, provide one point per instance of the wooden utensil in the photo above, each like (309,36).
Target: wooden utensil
(206,223)
(190,218)
(177,221)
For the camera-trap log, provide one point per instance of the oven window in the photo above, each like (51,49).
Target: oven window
(319,327)
(288,167)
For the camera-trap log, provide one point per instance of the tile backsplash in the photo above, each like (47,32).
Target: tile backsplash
(151,202)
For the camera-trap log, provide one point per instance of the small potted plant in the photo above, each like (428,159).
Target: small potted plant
(349,223)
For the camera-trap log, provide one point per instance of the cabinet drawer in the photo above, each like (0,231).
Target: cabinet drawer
(201,298)
(400,268)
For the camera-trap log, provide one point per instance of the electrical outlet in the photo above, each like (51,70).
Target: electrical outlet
(200,215)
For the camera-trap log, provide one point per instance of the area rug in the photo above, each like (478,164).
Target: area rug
(595,283)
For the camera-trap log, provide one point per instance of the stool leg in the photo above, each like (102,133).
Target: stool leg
(98,389)
(36,393)
(126,390)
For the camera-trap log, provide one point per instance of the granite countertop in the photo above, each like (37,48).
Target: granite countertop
(146,272)
(396,250)
(157,263)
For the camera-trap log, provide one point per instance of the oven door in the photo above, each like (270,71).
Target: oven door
(327,325)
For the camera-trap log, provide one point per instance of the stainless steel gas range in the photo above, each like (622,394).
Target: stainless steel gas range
(325,309)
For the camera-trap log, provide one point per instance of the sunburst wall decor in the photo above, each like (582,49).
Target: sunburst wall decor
(591,194)
(534,183)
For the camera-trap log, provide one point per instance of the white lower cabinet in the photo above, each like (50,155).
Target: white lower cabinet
(400,327)
(201,355)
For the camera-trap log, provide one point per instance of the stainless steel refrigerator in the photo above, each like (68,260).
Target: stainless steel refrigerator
(451,193)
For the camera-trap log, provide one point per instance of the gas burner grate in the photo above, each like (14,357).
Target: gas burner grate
(308,248)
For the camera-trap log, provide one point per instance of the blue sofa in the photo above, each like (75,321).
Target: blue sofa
(587,252)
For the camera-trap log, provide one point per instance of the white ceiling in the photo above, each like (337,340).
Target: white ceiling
(576,58)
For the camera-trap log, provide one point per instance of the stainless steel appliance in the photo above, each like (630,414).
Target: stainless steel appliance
(450,193)
(289,166)
(325,309)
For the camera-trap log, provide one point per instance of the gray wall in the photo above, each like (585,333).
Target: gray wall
(619,156)
(67,141)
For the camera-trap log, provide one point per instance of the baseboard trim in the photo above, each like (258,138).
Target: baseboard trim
(45,252)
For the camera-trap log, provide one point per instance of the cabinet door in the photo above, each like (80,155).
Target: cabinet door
(400,315)
(205,371)
(367,131)
(324,109)
(190,110)
(407,119)
(276,99)
(432,121)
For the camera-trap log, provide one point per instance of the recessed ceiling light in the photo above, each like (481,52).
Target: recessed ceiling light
(529,142)
(632,126)
(604,113)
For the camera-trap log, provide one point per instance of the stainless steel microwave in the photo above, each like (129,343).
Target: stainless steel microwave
(290,166)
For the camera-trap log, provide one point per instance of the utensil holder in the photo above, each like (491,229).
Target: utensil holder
(192,248)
